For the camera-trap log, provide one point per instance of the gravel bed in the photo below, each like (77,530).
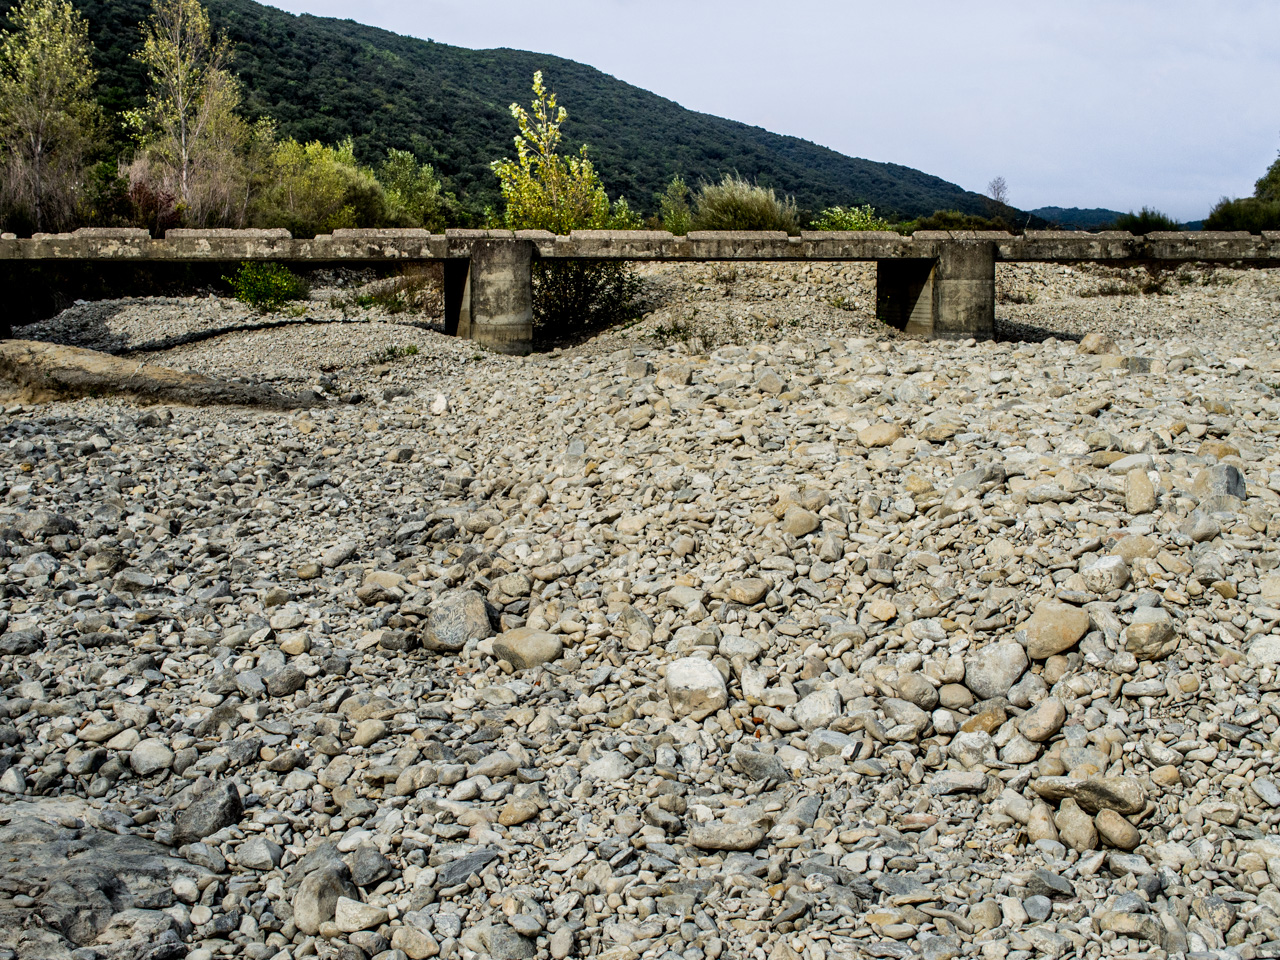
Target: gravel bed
(749,630)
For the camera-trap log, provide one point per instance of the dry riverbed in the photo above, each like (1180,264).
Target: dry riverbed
(748,630)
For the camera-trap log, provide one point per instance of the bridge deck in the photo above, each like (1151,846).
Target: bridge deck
(99,244)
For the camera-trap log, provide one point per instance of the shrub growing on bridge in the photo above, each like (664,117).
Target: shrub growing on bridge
(545,190)
(738,204)
(851,218)
(1148,221)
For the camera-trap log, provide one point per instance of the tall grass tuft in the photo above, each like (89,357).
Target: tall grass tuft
(738,204)
(1148,221)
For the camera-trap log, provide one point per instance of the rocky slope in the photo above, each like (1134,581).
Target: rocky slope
(736,633)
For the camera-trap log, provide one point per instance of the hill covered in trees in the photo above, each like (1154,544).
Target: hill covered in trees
(325,79)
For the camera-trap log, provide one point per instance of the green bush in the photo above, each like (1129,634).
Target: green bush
(851,218)
(312,188)
(1247,213)
(738,204)
(674,207)
(267,286)
(1148,221)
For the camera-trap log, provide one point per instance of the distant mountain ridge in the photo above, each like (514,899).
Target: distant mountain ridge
(326,79)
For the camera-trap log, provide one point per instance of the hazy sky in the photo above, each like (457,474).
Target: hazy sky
(1168,103)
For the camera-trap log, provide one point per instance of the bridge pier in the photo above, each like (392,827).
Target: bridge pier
(952,297)
(965,291)
(500,295)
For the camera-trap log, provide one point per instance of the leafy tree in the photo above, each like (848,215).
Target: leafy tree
(1268,185)
(48,119)
(1246,213)
(312,188)
(851,218)
(413,191)
(191,135)
(1255,214)
(544,190)
(674,208)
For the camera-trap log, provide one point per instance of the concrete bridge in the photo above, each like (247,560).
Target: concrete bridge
(933,284)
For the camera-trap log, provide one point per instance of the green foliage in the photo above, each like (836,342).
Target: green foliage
(544,190)
(738,204)
(266,286)
(673,207)
(851,218)
(1247,213)
(413,192)
(588,295)
(312,188)
(1148,221)
(48,120)
(191,135)
(413,290)
(325,79)
(954,220)
(394,352)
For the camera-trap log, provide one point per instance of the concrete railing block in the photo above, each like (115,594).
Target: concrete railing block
(1271,235)
(457,233)
(1193,235)
(1112,235)
(628,236)
(228,233)
(736,236)
(846,236)
(379,233)
(538,236)
(962,235)
(113,233)
(1054,234)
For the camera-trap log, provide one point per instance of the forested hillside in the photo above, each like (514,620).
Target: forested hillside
(325,79)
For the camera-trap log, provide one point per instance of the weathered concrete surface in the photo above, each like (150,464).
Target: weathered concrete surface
(937,283)
(128,244)
(905,295)
(964,291)
(501,306)
(48,371)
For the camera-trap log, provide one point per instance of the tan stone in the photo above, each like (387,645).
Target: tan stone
(1053,628)
(1116,830)
(1139,492)
(880,434)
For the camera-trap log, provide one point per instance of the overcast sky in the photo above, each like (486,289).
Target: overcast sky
(1167,103)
